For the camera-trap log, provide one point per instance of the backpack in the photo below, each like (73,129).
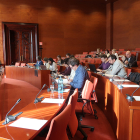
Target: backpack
(134,77)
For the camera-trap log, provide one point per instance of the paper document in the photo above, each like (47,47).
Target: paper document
(137,98)
(28,123)
(65,81)
(130,85)
(49,100)
(109,75)
(121,80)
(66,90)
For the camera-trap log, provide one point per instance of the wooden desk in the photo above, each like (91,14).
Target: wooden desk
(45,111)
(28,75)
(122,114)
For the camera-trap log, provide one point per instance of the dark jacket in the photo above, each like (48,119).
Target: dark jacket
(132,61)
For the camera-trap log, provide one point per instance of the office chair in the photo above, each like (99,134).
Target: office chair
(74,124)
(57,130)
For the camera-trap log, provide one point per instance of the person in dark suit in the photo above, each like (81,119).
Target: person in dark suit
(130,60)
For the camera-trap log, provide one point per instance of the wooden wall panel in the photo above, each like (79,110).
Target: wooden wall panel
(126,24)
(70,26)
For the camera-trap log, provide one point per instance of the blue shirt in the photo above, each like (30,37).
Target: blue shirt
(39,63)
(80,77)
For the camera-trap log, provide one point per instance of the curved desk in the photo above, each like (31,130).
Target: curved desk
(122,114)
(33,76)
(43,111)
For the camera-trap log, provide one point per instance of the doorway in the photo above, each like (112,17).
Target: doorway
(20,42)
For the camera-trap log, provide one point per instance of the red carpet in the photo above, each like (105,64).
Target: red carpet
(11,90)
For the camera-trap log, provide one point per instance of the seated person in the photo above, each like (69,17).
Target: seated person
(98,53)
(46,62)
(81,74)
(68,55)
(130,60)
(116,67)
(39,62)
(60,61)
(114,52)
(105,64)
(67,71)
(53,65)
(107,53)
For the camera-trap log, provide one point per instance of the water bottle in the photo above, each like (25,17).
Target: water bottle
(60,85)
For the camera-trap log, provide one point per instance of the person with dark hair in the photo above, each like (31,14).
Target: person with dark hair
(53,65)
(67,71)
(130,60)
(81,74)
(107,53)
(39,62)
(68,55)
(46,62)
(116,67)
(60,61)
(105,64)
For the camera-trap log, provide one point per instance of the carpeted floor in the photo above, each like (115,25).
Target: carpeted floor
(11,90)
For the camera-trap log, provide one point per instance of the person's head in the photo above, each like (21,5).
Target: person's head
(71,56)
(74,63)
(50,60)
(58,57)
(98,50)
(113,51)
(66,62)
(45,59)
(106,51)
(112,58)
(38,58)
(103,58)
(68,55)
(128,54)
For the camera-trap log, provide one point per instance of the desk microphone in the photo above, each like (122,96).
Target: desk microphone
(120,86)
(131,98)
(112,79)
(10,117)
(39,99)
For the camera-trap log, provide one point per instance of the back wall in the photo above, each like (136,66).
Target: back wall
(71,26)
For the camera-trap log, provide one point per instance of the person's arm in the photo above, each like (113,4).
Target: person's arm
(54,66)
(101,66)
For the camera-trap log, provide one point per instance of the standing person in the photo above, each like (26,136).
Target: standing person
(105,64)
(60,61)
(116,67)
(39,62)
(53,65)
(81,74)
(130,60)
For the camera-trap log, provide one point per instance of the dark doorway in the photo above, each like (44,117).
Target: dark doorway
(20,42)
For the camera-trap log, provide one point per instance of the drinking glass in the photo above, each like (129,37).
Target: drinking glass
(52,91)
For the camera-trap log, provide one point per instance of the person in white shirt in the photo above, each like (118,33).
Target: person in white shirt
(53,65)
(116,67)
(114,52)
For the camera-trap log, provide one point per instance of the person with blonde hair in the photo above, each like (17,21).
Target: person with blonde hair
(114,52)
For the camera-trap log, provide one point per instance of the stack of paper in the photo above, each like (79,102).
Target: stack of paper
(28,123)
(124,85)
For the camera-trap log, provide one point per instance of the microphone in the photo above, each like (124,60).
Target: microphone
(131,98)
(10,117)
(39,99)
(120,86)
(112,79)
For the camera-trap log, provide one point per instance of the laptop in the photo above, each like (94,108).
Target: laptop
(92,68)
(43,67)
